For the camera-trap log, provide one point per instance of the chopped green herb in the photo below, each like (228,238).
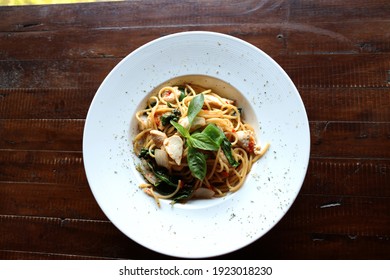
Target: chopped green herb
(227,150)
(239,109)
(172,116)
(144,153)
(161,175)
(184,194)
(182,94)
(165,178)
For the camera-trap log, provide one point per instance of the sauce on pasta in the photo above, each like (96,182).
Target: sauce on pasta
(193,143)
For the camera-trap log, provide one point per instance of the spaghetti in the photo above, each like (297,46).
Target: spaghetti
(193,143)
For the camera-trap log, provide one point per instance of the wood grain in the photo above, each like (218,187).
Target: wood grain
(42,167)
(322,104)
(320,71)
(45,103)
(348,177)
(53,59)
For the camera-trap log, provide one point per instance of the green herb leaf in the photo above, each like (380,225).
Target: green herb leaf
(182,130)
(197,163)
(226,147)
(182,94)
(194,108)
(203,142)
(144,153)
(165,178)
(172,116)
(183,195)
(214,133)
(146,170)
(159,174)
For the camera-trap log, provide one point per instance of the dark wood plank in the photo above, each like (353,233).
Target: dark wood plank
(326,11)
(42,134)
(366,216)
(140,14)
(306,71)
(337,177)
(42,167)
(339,70)
(328,138)
(50,200)
(45,103)
(191,12)
(68,236)
(53,58)
(39,190)
(349,139)
(23,255)
(290,244)
(322,104)
(295,39)
(347,177)
(85,73)
(117,43)
(326,227)
(347,104)
(318,225)
(327,38)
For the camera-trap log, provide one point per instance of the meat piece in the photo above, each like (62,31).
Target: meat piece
(148,174)
(174,147)
(170,94)
(161,158)
(143,122)
(198,122)
(217,102)
(247,141)
(158,137)
(204,193)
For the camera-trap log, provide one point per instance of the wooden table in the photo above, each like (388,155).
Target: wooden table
(53,58)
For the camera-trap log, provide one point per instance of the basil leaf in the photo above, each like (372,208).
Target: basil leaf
(184,132)
(159,174)
(194,108)
(144,153)
(172,116)
(182,94)
(203,142)
(146,170)
(183,195)
(165,119)
(214,133)
(165,178)
(197,163)
(226,147)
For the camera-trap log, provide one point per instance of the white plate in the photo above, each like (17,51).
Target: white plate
(203,228)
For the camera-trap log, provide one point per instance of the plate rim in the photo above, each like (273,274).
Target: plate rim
(170,37)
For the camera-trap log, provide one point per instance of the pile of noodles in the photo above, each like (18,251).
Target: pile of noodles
(221,178)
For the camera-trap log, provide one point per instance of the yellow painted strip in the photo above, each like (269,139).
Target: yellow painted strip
(47,2)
